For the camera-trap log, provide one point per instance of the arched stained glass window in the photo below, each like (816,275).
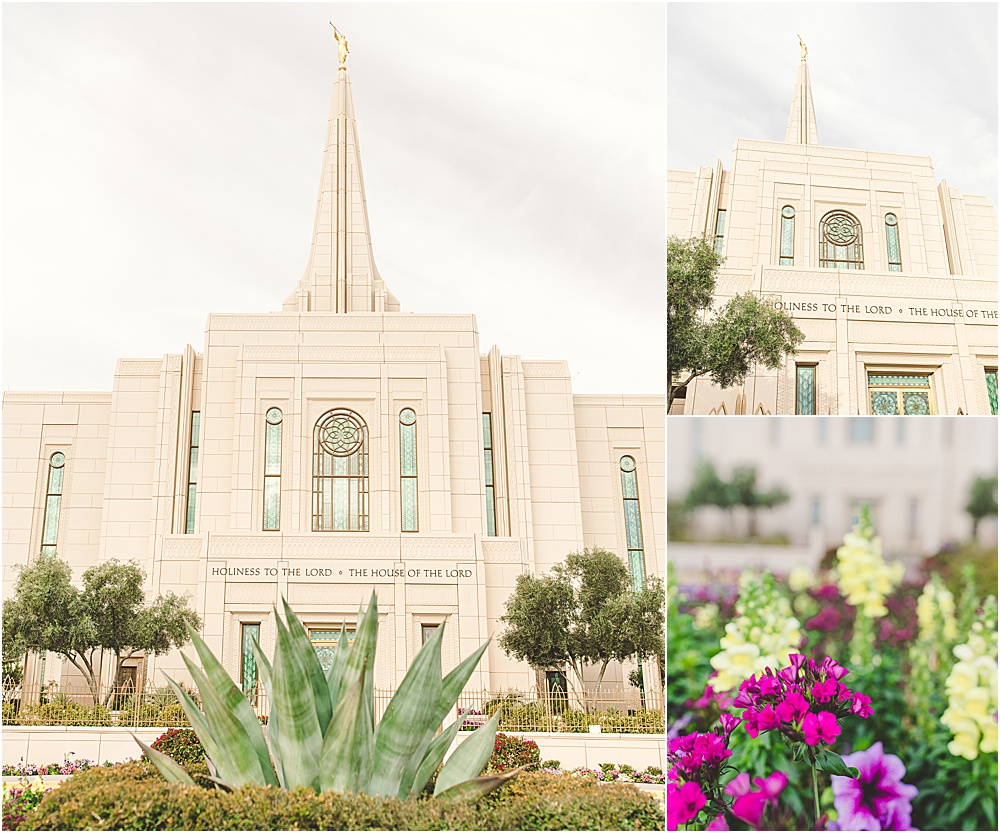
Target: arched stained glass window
(193,472)
(340,473)
(633,524)
(892,243)
(272,469)
(787,257)
(840,241)
(408,470)
(53,503)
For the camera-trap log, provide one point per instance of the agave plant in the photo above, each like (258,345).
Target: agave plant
(321,731)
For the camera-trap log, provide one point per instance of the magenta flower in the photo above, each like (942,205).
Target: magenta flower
(683,803)
(877,799)
(793,707)
(750,804)
(820,728)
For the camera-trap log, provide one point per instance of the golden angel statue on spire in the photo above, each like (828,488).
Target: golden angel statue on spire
(803,47)
(342,49)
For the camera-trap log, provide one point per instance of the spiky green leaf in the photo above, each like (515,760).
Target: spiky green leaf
(468,760)
(360,653)
(338,658)
(171,771)
(299,743)
(237,762)
(430,761)
(237,704)
(451,687)
(475,787)
(272,733)
(306,653)
(213,750)
(346,763)
(410,719)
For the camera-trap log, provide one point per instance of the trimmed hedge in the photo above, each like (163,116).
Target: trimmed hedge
(134,796)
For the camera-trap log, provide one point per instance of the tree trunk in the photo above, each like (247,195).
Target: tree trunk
(600,679)
(752,521)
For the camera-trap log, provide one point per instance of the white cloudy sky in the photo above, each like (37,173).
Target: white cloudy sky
(917,78)
(161,163)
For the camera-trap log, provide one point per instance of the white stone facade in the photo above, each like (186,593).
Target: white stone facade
(927,313)
(340,342)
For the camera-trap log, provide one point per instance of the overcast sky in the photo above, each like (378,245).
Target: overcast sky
(161,162)
(916,78)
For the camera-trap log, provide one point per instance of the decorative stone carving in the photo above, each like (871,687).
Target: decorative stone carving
(132,367)
(187,548)
(501,552)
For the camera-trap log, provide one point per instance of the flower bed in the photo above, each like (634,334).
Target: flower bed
(849,700)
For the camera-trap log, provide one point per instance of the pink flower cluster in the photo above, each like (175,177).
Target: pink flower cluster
(696,762)
(803,701)
(750,803)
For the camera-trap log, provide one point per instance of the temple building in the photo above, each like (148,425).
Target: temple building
(890,274)
(329,448)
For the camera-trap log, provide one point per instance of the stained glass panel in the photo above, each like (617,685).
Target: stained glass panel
(991,389)
(272,503)
(805,389)
(892,241)
(272,449)
(408,450)
(884,402)
(192,491)
(633,528)
(491,520)
(787,236)
(50,527)
(637,568)
(720,228)
(629,489)
(916,403)
(408,502)
(885,380)
(248,671)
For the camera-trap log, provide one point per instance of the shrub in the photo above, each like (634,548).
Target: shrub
(510,752)
(173,715)
(180,744)
(552,763)
(134,796)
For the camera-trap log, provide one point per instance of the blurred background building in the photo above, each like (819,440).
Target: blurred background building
(915,475)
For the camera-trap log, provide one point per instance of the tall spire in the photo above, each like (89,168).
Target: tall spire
(341,275)
(802,120)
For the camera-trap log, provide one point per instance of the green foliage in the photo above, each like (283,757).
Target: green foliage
(510,751)
(709,489)
(951,564)
(19,803)
(982,501)
(134,797)
(585,612)
(745,332)
(321,733)
(57,713)
(48,613)
(688,663)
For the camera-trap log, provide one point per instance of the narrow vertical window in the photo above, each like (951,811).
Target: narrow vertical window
(53,503)
(248,666)
(991,389)
(491,519)
(408,470)
(193,470)
(633,524)
(787,256)
(892,243)
(805,389)
(340,473)
(720,230)
(272,470)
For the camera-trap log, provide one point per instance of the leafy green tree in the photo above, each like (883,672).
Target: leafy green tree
(584,613)
(743,333)
(48,613)
(708,489)
(982,501)
(747,495)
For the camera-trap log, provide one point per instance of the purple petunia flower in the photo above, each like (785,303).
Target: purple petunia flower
(877,799)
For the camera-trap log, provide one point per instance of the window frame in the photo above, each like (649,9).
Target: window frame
(272,480)
(786,221)
(832,224)
(635,547)
(408,480)
(815,373)
(55,478)
(327,482)
(892,231)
